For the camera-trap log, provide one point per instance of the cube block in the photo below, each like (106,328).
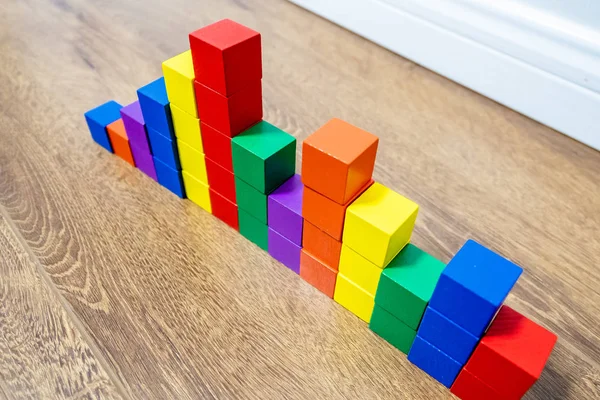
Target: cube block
(284,251)
(251,200)
(164,148)
(169,178)
(135,126)
(179,81)
(353,298)
(144,161)
(119,142)
(220,180)
(187,128)
(284,208)
(264,156)
(230,115)
(198,192)
(434,362)
(227,56)
(225,210)
(473,286)
(216,146)
(99,118)
(390,328)
(253,230)
(192,161)
(321,245)
(379,223)
(155,107)
(468,387)
(319,275)
(359,270)
(408,282)
(338,160)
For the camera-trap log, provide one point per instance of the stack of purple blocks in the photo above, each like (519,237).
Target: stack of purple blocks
(138,138)
(284,216)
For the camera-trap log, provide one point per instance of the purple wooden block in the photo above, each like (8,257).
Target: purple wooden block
(144,161)
(135,126)
(284,251)
(285,209)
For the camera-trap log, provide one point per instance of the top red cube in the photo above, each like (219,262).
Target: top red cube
(227,56)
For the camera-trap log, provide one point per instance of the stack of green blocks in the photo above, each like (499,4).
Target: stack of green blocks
(264,157)
(404,290)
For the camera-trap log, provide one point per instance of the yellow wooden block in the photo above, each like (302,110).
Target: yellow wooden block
(179,80)
(192,161)
(359,270)
(352,297)
(187,128)
(379,224)
(197,191)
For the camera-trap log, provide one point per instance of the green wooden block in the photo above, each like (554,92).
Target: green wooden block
(406,285)
(251,200)
(253,230)
(264,156)
(394,331)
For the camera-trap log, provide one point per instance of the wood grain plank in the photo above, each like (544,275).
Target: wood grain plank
(182,306)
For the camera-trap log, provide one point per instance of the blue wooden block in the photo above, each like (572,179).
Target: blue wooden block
(434,362)
(169,178)
(473,286)
(98,118)
(164,148)
(447,336)
(155,107)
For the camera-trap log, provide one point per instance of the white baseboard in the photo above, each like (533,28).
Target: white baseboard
(539,65)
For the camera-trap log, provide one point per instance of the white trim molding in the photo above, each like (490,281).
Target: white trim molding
(538,63)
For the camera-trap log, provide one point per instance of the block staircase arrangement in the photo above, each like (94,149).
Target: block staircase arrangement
(199,132)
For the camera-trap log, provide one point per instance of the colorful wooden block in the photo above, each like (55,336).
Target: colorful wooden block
(217,146)
(434,362)
(197,191)
(144,161)
(192,161)
(169,178)
(224,209)
(325,213)
(119,141)
(284,251)
(354,298)
(321,245)
(155,107)
(379,223)
(253,230)
(220,180)
(284,208)
(468,387)
(251,200)
(179,81)
(99,118)
(512,354)
(230,115)
(406,285)
(319,275)
(135,126)
(359,270)
(164,148)
(338,160)
(447,336)
(187,128)
(227,56)
(390,328)
(264,156)
(473,286)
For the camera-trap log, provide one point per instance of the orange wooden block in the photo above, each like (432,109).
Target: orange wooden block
(120,141)
(338,160)
(313,271)
(321,245)
(325,213)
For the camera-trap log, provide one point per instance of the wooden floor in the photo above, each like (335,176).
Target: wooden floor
(111,287)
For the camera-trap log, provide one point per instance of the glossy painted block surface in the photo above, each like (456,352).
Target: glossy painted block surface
(187,128)
(394,331)
(169,178)
(216,146)
(284,251)
(434,362)
(353,298)
(284,208)
(253,230)
(220,180)
(251,200)
(224,209)
(197,191)
(164,148)
(179,81)
(119,141)
(315,272)
(99,118)
(155,107)
(468,387)
(135,126)
(321,245)
(192,161)
(359,270)
(144,161)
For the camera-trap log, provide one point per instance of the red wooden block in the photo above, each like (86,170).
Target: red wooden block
(512,354)
(230,115)
(216,146)
(224,209)
(468,387)
(227,56)
(220,180)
